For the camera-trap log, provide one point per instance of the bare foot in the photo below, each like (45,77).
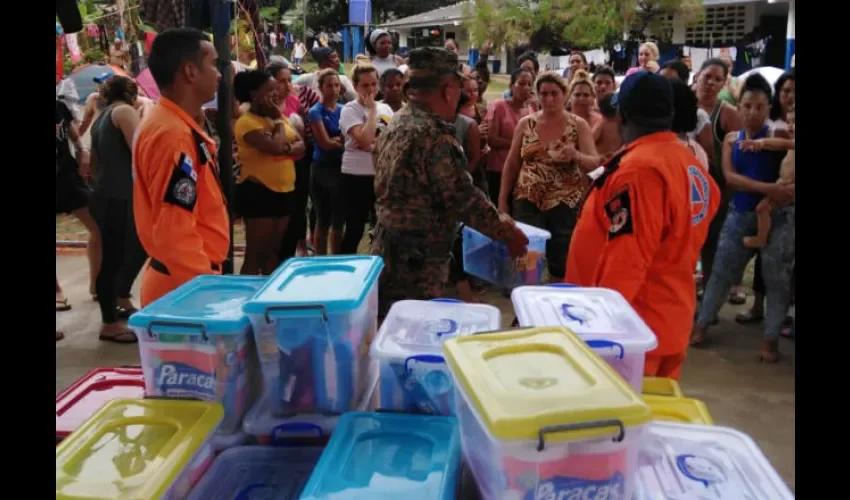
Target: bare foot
(769,351)
(59,335)
(698,335)
(754,242)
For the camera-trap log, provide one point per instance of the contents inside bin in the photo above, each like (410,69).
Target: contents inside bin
(602,317)
(196,343)
(707,462)
(541,416)
(389,456)
(489,260)
(257,472)
(414,376)
(313,322)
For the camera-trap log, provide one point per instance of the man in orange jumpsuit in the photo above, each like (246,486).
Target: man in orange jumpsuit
(644,221)
(180,211)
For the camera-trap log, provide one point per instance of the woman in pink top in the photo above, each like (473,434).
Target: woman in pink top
(647,51)
(503,117)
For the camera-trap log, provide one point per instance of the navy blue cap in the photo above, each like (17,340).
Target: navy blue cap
(103,77)
(645,98)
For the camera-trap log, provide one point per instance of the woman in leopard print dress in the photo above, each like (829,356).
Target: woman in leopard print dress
(546,170)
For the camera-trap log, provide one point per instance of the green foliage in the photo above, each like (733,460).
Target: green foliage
(580,23)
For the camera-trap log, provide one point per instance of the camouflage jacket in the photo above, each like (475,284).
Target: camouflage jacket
(423,188)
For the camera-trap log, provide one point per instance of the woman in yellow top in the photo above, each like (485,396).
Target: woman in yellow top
(265,188)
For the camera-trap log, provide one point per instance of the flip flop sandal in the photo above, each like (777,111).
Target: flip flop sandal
(60,336)
(748,318)
(126,337)
(62,305)
(737,298)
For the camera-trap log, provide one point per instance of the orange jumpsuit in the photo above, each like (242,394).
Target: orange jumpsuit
(640,232)
(180,211)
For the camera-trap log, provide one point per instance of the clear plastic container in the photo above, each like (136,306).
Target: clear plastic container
(196,343)
(266,427)
(542,416)
(84,397)
(388,456)
(489,260)
(257,472)
(684,461)
(682,410)
(414,376)
(138,449)
(660,386)
(313,322)
(601,317)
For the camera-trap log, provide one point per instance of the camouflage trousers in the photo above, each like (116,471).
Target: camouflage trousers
(732,256)
(414,269)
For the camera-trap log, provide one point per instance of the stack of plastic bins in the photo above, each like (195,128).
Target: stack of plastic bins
(600,316)
(660,386)
(414,376)
(683,410)
(706,462)
(313,322)
(542,416)
(388,456)
(489,259)
(196,343)
(138,448)
(249,472)
(79,401)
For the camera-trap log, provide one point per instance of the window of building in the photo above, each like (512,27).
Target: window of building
(721,25)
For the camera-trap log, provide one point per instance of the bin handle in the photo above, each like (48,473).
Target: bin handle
(303,427)
(200,326)
(424,358)
(601,344)
(321,307)
(562,285)
(447,301)
(614,422)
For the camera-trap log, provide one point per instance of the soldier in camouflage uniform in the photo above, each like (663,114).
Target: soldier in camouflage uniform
(423,188)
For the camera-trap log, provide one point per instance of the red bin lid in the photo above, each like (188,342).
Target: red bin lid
(84,397)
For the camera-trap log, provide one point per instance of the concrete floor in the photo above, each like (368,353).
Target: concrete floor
(739,391)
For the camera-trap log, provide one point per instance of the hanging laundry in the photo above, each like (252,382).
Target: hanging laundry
(200,14)
(119,33)
(59,31)
(273,40)
(149,36)
(92,30)
(73,47)
(597,56)
(69,15)
(697,55)
(137,61)
(163,14)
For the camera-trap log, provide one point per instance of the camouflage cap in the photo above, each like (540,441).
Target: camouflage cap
(427,62)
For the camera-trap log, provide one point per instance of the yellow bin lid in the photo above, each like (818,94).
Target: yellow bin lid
(682,410)
(133,449)
(530,382)
(660,386)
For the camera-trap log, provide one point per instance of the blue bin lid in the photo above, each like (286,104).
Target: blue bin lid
(208,304)
(335,284)
(247,472)
(388,456)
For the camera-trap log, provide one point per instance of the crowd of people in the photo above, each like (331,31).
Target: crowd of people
(411,149)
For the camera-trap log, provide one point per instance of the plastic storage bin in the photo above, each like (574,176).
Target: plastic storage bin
(389,456)
(683,410)
(84,397)
(705,462)
(137,450)
(196,343)
(250,472)
(222,442)
(313,321)
(542,416)
(414,376)
(489,260)
(601,317)
(263,425)
(660,386)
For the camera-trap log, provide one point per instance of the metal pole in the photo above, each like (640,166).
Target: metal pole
(224,114)
(304,32)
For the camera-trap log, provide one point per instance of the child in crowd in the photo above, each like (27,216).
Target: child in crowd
(606,132)
(787,177)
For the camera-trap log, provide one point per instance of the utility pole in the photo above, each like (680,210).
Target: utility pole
(304,13)
(222,10)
